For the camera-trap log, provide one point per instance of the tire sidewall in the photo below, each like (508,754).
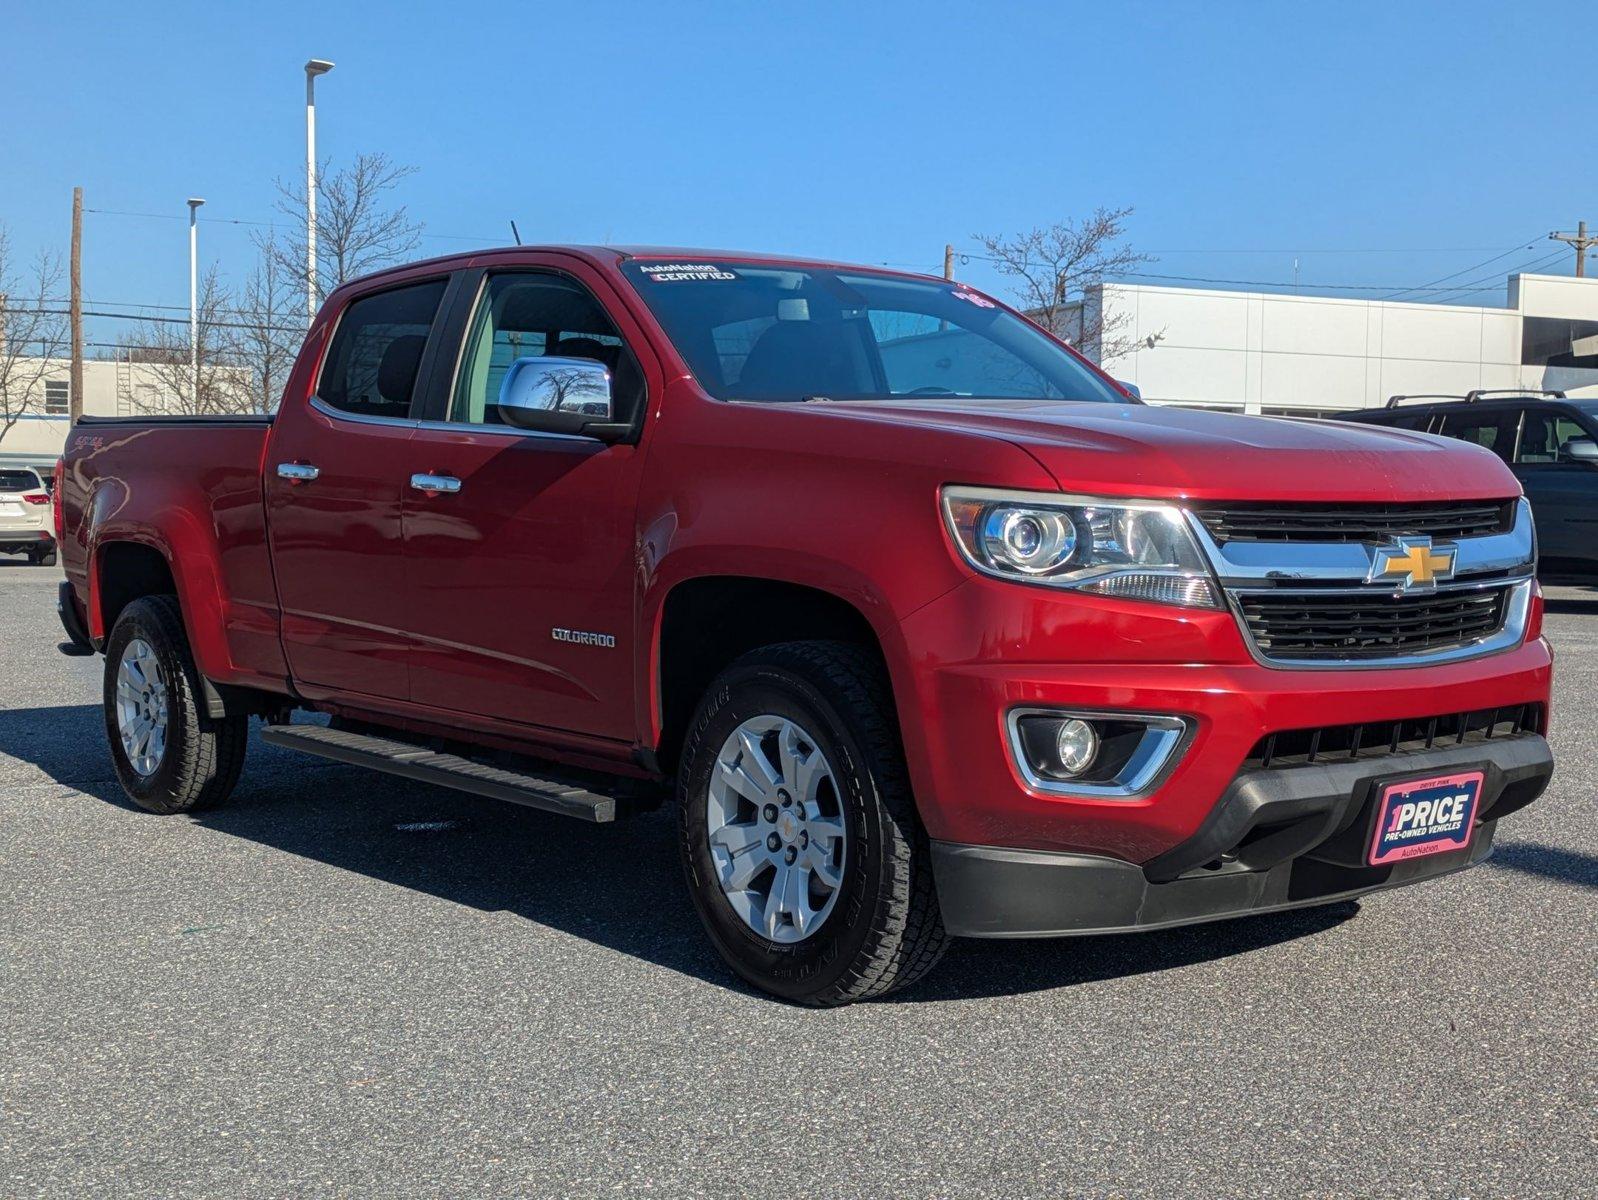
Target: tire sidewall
(801,970)
(159,791)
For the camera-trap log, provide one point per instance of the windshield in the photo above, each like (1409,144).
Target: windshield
(780,332)
(19,481)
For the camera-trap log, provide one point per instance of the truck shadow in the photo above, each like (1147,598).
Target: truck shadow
(1574,598)
(616,885)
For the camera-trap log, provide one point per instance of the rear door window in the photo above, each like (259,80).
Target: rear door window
(376,354)
(1493,430)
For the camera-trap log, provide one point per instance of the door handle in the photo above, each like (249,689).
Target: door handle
(297,472)
(435,484)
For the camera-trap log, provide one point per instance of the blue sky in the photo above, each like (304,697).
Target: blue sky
(1387,143)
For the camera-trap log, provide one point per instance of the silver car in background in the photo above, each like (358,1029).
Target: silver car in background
(26,520)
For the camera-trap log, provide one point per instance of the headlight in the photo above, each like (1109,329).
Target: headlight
(1135,549)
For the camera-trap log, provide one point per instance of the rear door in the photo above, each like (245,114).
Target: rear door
(335,483)
(522,577)
(1563,492)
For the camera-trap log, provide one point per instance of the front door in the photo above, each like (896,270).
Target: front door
(1563,491)
(335,482)
(519,543)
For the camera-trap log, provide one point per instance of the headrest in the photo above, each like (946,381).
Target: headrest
(396,373)
(801,357)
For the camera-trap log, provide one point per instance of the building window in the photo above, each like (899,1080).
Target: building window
(57,398)
(1557,342)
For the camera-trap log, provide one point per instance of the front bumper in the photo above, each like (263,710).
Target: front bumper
(1286,838)
(988,649)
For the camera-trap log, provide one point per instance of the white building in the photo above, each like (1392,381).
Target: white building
(111,388)
(1299,354)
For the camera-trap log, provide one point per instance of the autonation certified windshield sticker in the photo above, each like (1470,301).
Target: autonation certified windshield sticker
(685,272)
(1427,816)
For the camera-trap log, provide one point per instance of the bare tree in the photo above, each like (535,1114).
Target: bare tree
(1054,265)
(265,332)
(356,228)
(161,347)
(33,334)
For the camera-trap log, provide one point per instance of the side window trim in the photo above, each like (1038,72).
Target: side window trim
(1520,430)
(424,368)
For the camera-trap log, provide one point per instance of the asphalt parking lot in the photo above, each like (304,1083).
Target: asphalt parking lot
(345,984)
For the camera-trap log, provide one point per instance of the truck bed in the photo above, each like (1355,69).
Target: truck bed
(183,493)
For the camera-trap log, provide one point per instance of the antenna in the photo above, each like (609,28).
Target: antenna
(514,233)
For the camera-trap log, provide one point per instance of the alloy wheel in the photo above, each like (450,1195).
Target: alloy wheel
(776,828)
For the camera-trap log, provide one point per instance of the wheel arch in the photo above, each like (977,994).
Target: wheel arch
(124,569)
(706,622)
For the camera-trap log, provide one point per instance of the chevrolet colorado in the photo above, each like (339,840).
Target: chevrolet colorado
(933,628)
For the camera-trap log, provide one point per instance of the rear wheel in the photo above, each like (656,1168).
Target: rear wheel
(44,557)
(169,756)
(799,836)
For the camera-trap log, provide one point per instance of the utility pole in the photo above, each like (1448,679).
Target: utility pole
(948,262)
(1581,242)
(75,310)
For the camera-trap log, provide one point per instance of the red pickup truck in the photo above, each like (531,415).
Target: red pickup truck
(931,628)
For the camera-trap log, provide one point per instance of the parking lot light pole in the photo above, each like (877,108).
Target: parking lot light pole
(194,298)
(313,68)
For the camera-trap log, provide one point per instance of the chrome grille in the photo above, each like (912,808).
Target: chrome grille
(1292,624)
(1444,520)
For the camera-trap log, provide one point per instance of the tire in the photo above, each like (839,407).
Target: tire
(42,558)
(879,929)
(200,760)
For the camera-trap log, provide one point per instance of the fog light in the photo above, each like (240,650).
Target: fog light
(1077,745)
(1119,755)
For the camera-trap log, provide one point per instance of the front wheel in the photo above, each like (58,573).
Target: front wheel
(799,835)
(169,755)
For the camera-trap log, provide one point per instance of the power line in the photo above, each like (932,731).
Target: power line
(1346,250)
(1466,288)
(112,316)
(1476,267)
(117,212)
(966,256)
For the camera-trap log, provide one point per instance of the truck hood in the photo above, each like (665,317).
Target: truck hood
(1147,450)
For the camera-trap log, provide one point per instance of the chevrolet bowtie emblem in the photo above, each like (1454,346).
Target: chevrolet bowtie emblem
(1411,563)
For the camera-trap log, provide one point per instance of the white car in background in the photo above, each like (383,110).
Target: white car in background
(26,524)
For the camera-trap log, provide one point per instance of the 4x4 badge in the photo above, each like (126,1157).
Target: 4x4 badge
(1411,563)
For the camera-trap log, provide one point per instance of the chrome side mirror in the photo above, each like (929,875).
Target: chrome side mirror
(560,395)
(1580,450)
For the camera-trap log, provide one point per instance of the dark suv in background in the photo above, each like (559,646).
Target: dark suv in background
(1551,444)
